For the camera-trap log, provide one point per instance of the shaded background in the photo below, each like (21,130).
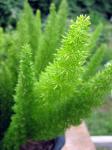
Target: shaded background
(98,9)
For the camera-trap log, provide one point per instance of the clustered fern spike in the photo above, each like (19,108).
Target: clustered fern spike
(39,40)
(61,21)
(46,106)
(29,27)
(100,85)
(11,61)
(12,52)
(95,62)
(34,27)
(22,30)
(52,36)
(90,95)
(69,58)
(60,78)
(12,48)
(21,127)
(5,97)
(5,75)
(7,82)
(60,97)
(38,31)
(95,36)
(47,43)
(65,101)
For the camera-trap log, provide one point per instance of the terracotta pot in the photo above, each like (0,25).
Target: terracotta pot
(78,138)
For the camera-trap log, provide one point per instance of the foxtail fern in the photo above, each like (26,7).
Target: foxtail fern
(61,89)
(29,31)
(53,31)
(95,62)
(21,126)
(95,36)
(61,96)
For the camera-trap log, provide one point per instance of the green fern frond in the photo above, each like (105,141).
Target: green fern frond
(95,62)
(21,127)
(95,36)
(64,72)
(51,38)
(60,88)
(60,78)
(47,42)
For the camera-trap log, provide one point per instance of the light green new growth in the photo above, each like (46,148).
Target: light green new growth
(90,95)
(59,85)
(60,78)
(95,62)
(21,127)
(100,85)
(51,40)
(67,65)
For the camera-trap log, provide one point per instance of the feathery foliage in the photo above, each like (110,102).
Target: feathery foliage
(29,31)
(47,43)
(5,97)
(95,36)
(59,84)
(52,91)
(52,36)
(61,21)
(95,62)
(67,63)
(21,125)
(38,33)
(60,78)
(7,83)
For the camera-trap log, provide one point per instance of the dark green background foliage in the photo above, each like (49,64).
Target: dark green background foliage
(9,9)
(43,5)
(101,6)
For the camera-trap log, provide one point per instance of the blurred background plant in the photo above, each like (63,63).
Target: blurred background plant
(9,12)
(97,9)
(100,122)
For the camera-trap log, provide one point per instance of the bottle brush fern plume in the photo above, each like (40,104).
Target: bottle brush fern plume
(61,97)
(54,29)
(21,125)
(29,31)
